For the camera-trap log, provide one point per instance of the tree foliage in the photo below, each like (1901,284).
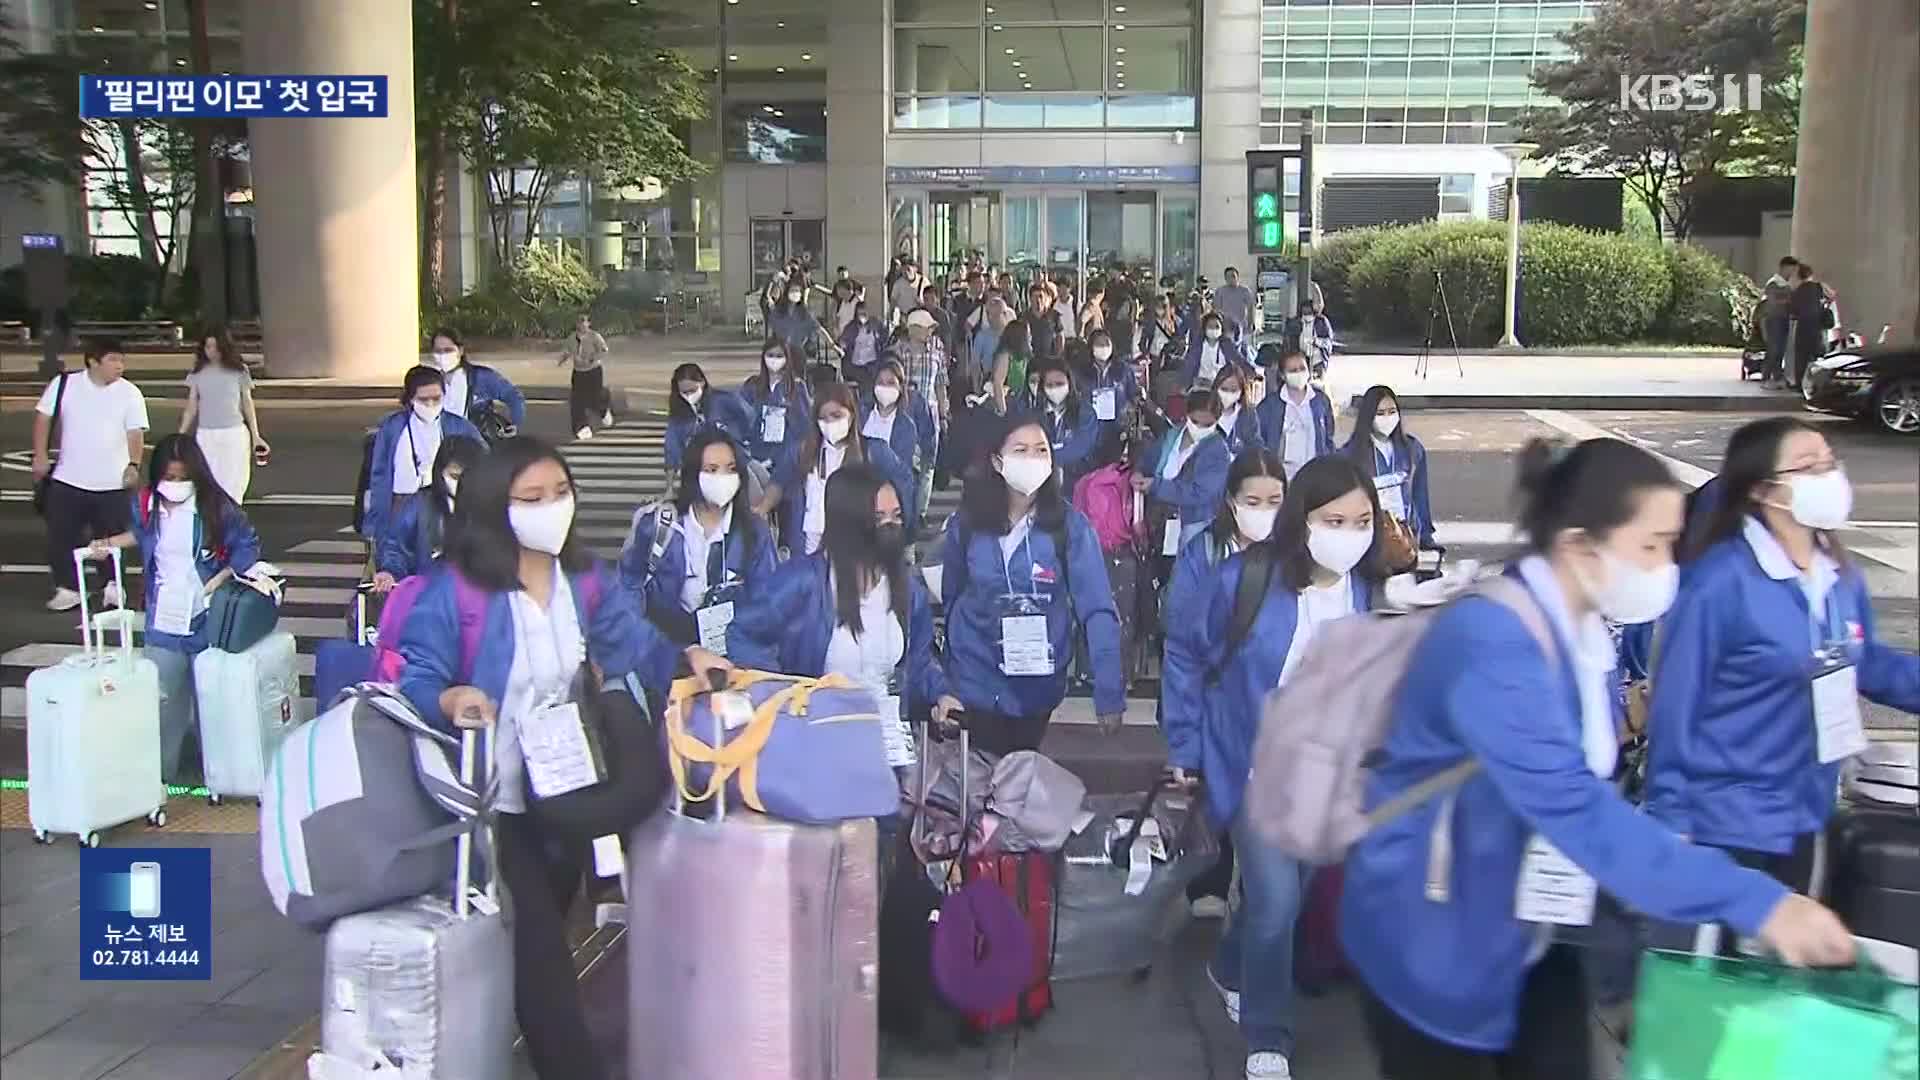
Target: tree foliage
(1670,158)
(42,139)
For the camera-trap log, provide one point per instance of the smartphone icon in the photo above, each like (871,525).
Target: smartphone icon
(143,890)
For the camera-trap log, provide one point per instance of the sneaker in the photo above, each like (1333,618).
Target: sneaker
(110,596)
(584,433)
(606,418)
(64,599)
(1267,1065)
(1230,999)
(1207,907)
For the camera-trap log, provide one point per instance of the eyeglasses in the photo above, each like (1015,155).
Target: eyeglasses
(1817,468)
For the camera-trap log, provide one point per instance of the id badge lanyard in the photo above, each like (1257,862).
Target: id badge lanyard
(1026,640)
(1838,727)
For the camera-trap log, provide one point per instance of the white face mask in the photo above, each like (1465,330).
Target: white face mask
(1102,352)
(175,491)
(835,431)
(1255,522)
(1198,432)
(447,361)
(1213,333)
(886,395)
(1385,426)
(1057,394)
(1026,475)
(1230,400)
(776,362)
(1297,379)
(1631,595)
(427,413)
(719,488)
(692,397)
(1820,500)
(542,527)
(793,296)
(1339,550)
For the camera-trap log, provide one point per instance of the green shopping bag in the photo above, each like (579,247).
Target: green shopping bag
(1701,1018)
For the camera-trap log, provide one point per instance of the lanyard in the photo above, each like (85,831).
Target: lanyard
(1829,641)
(1006,568)
(562,670)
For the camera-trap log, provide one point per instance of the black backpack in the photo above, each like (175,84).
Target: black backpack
(1256,578)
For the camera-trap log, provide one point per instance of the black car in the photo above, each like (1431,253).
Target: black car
(1880,383)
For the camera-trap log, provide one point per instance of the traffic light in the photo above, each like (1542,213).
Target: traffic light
(1266,177)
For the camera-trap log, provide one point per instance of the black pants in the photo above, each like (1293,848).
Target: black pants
(1218,878)
(589,397)
(1778,342)
(1809,342)
(1000,734)
(542,875)
(75,516)
(1551,1041)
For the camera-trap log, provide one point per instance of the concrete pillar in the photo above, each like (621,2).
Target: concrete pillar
(858,103)
(1856,206)
(335,200)
(1229,127)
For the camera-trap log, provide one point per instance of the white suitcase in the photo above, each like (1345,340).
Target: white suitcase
(93,734)
(246,706)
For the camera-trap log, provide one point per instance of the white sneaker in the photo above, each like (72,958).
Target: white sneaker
(606,418)
(64,599)
(1207,907)
(1267,1065)
(584,433)
(1228,998)
(110,596)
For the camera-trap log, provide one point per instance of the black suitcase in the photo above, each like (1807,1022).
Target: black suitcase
(1876,873)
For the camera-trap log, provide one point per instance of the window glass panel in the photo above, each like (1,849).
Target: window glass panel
(1473,20)
(1046,11)
(1156,60)
(1044,111)
(1426,116)
(1384,115)
(1349,47)
(1432,19)
(1394,71)
(1473,114)
(1054,58)
(1389,46)
(1432,46)
(936,61)
(936,11)
(1471,69)
(1385,133)
(1349,22)
(1179,237)
(1473,46)
(1517,19)
(1426,133)
(1310,73)
(1306,47)
(1390,20)
(1341,133)
(1511,45)
(1150,11)
(1130,110)
(1345,116)
(1466,133)
(777,132)
(960,111)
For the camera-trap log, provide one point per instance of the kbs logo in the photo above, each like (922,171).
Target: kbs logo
(1690,93)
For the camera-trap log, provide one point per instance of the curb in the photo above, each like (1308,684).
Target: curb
(1599,402)
(1366,348)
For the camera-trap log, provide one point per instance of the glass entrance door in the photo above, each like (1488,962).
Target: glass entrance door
(1044,236)
(1120,232)
(775,240)
(962,225)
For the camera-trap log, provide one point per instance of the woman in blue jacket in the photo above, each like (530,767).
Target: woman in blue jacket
(1321,563)
(1296,419)
(854,608)
(473,390)
(1112,388)
(862,342)
(1185,474)
(696,406)
(1397,461)
(800,480)
(1431,917)
(1069,423)
(1760,666)
(1239,425)
(892,412)
(688,561)
(1023,578)
(1210,352)
(779,404)
(187,530)
(548,613)
(405,446)
(418,531)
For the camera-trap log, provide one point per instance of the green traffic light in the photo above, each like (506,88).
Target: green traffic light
(1270,234)
(1266,206)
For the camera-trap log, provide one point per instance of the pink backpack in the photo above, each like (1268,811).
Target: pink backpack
(1105,496)
(471,604)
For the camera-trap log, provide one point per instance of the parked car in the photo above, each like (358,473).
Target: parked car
(1878,382)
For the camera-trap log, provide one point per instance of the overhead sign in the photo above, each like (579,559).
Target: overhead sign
(1072,175)
(40,241)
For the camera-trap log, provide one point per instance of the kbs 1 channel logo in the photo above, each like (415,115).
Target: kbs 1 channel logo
(279,97)
(1690,93)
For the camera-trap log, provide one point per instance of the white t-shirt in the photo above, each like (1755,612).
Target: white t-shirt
(1392,482)
(414,453)
(814,525)
(1319,605)
(1210,361)
(1296,431)
(871,658)
(548,648)
(879,425)
(180,592)
(457,390)
(94,421)
(698,543)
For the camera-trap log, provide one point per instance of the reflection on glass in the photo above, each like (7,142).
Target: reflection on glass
(936,113)
(1023,236)
(908,215)
(1120,231)
(1151,111)
(936,61)
(1044,111)
(1180,238)
(1063,234)
(1045,58)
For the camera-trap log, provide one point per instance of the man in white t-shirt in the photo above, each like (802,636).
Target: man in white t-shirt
(103,424)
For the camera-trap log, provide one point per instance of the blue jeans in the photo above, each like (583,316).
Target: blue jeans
(1255,955)
(179,715)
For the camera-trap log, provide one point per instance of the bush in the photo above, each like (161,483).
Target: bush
(1587,288)
(1711,304)
(543,277)
(1333,262)
(1474,272)
(1380,278)
(101,288)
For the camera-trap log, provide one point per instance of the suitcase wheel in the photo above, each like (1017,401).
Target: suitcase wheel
(92,839)
(40,836)
(157,819)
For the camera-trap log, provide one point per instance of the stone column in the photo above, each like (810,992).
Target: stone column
(335,201)
(1856,206)
(1229,127)
(858,104)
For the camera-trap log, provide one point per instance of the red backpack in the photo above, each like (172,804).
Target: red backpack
(1105,496)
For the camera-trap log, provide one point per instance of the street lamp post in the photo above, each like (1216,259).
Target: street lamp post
(1516,153)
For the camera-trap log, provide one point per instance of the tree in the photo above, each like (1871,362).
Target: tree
(1669,158)
(438,77)
(42,139)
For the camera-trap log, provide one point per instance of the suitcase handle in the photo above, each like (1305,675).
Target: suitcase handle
(93,640)
(471,743)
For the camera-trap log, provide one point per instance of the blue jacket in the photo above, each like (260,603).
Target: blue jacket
(972,585)
(618,639)
(791,475)
(1116,374)
(407,547)
(794,325)
(1073,444)
(1272,420)
(486,386)
(1478,686)
(1732,757)
(657,593)
(1230,353)
(1245,434)
(799,405)
(1183,672)
(1196,492)
(239,549)
(1413,487)
(1232,698)
(912,437)
(723,409)
(850,337)
(380,477)
(787,624)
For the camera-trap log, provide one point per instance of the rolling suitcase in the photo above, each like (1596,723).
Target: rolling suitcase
(1026,877)
(422,989)
(93,733)
(1876,873)
(246,704)
(339,663)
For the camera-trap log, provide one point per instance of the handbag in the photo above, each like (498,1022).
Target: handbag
(625,755)
(1397,546)
(41,485)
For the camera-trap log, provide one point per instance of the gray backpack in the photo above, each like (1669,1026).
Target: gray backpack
(361,807)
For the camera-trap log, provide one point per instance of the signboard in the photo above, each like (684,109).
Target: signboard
(1068,175)
(45,258)
(40,241)
(109,97)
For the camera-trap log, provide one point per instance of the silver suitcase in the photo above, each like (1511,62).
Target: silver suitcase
(423,989)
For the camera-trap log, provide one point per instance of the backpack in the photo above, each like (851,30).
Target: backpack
(469,601)
(1106,497)
(1323,730)
(363,487)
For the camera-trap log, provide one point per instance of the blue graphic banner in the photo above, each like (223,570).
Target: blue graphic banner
(108,97)
(146,914)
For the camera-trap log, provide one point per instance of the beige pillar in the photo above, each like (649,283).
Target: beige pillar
(1229,127)
(858,105)
(335,200)
(1856,206)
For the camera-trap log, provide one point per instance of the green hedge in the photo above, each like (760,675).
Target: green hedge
(1712,304)
(1400,261)
(1333,262)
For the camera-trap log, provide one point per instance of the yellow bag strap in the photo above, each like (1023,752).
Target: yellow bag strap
(741,755)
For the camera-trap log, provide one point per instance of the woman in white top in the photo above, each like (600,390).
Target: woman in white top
(220,414)
(800,481)
(405,446)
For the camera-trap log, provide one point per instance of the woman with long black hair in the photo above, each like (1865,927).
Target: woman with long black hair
(418,532)
(1383,447)
(695,406)
(800,481)
(779,405)
(220,414)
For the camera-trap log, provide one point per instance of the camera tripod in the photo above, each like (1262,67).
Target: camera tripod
(1438,307)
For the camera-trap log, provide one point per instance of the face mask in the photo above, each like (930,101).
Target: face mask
(1102,352)
(1213,333)
(719,488)
(1255,522)
(890,540)
(693,396)
(447,360)
(1821,501)
(1297,379)
(861,319)
(776,362)
(1339,550)
(1385,426)
(1631,595)
(175,491)
(542,527)
(1026,475)
(835,431)
(886,395)
(1057,394)
(1197,431)
(1230,400)
(793,296)
(427,413)
(451,483)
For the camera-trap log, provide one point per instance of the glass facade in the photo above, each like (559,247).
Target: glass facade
(1399,72)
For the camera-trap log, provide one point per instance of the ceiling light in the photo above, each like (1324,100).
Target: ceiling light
(779,112)
(1119,63)
(533,3)
(766,108)
(1009,52)
(99,29)
(989,9)
(733,58)
(807,56)
(178,62)
(1016,63)
(997,28)
(1120,48)
(782,26)
(1118,27)
(779,71)
(1119,9)
(152,5)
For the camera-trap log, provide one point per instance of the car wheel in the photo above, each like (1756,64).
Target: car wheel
(1897,406)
